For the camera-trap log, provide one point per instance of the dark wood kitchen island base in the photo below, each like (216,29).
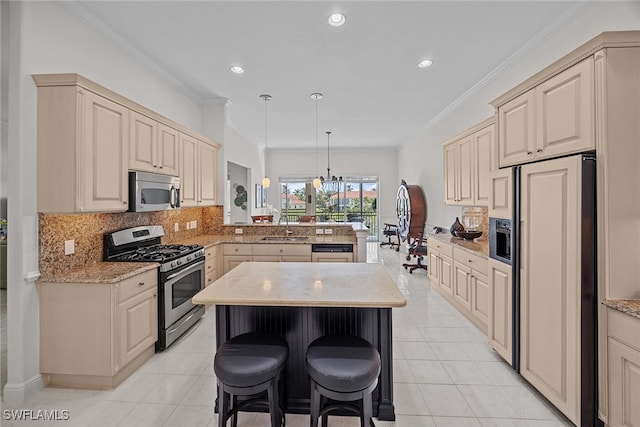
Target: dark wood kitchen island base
(302,325)
(302,302)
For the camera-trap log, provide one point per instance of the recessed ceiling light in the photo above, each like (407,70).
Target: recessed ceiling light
(425,63)
(236,69)
(337,19)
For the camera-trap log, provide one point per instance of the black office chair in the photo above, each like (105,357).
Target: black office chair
(391,230)
(417,250)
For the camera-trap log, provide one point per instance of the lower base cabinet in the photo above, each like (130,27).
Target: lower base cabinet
(623,360)
(499,321)
(95,335)
(461,277)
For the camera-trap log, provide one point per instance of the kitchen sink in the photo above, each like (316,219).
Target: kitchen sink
(285,239)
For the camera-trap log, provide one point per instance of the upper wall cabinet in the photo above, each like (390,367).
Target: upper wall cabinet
(198,172)
(88,139)
(553,119)
(82,151)
(468,161)
(153,146)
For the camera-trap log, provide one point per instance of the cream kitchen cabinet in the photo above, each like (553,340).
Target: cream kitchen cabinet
(623,369)
(553,119)
(282,252)
(198,172)
(467,164)
(471,287)
(441,266)
(331,257)
(234,254)
(212,270)
(153,146)
(501,194)
(82,156)
(97,334)
(499,319)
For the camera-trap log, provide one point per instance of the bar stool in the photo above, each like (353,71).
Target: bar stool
(343,368)
(246,365)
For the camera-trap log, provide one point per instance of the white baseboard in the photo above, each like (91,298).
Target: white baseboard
(18,393)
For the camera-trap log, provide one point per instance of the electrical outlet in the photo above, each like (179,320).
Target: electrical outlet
(194,224)
(328,231)
(319,231)
(176,227)
(69,247)
(187,225)
(239,231)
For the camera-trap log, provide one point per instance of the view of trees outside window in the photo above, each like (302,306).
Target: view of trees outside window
(352,201)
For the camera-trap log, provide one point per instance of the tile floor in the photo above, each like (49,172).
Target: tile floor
(445,374)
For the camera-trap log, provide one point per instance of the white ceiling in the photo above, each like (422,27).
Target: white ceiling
(374,94)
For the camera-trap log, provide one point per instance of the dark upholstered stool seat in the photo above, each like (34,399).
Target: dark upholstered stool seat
(248,364)
(342,368)
(250,359)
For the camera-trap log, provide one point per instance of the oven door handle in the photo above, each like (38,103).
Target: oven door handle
(186,270)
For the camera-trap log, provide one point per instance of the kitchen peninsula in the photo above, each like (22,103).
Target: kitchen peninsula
(303,301)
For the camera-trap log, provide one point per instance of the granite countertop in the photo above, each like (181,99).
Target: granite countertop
(207,240)
(479,247)
(628,306)
(100,272)
(303,284)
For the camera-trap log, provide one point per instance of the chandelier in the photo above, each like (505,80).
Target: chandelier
(266,182)
(331,183)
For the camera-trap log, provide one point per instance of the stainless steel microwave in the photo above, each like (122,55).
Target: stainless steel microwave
(150,192)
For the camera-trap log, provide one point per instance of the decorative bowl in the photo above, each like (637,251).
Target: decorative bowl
(469,235)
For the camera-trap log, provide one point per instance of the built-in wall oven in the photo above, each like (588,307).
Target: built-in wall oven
(180,276)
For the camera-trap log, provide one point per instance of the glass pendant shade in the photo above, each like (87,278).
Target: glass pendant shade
(266,182)
(317,183)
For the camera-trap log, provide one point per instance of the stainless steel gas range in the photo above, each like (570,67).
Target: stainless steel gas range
(180,276)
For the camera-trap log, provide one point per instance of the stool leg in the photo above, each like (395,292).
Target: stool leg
(367,410)
(274,404)
(315,405)
(234,403)
(223,409)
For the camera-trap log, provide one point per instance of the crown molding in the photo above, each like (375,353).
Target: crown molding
(80,12)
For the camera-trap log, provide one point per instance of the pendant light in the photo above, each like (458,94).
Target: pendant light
(317,183)
(266,182)
(332,183)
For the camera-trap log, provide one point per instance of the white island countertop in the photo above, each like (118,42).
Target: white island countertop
(304,284)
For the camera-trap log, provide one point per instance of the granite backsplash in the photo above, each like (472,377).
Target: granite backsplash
(87,231)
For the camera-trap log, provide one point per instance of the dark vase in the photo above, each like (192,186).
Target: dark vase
(455,227)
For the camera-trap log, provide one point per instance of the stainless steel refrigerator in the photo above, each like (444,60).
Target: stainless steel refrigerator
(554,282)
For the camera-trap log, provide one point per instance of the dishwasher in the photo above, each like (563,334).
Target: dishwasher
(332,252)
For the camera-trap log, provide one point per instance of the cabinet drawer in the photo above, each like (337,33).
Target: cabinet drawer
(438,246)
(624,328)
(477,263)
(237,249)
(210,253)
(137,284)
(281,250)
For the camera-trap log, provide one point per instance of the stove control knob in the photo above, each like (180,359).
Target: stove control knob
(173,264)
(188,257)
(179,262)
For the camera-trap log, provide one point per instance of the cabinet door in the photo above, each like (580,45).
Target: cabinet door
(501,199)
(143,143)
(232,261)
(462,285)
(450,173)
(188,171)
(434,268)
(138,325)
(516,130)
(207,161)
(499,318)
(565,110)
(480,297)
(168,150)
(466,171)
(446,274)
(550,278)
(331,257)
(102,184)
(483,149)
(624,384)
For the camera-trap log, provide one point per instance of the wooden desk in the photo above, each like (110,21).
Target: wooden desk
(303,301)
